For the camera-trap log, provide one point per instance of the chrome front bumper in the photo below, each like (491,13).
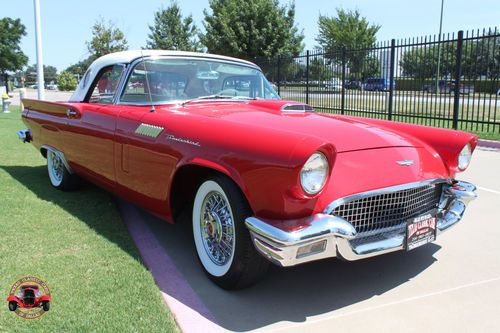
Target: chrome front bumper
(327,236)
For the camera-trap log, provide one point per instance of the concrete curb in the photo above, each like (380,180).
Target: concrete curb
(489,144)
(187,308)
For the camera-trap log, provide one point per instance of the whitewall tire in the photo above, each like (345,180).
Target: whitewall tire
(222,241)
(59,175)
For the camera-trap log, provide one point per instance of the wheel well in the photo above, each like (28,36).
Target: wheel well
(43,151)
(185,184)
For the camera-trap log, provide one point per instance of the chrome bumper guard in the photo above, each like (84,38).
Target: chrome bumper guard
(328,236)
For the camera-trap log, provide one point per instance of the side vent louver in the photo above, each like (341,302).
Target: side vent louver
(149,130)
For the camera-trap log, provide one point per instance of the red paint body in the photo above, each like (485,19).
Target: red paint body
(256,144)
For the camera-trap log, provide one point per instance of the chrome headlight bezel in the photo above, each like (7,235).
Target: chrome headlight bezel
(464,157)
(317,167)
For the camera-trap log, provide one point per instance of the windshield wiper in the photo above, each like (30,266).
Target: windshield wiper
(217,96)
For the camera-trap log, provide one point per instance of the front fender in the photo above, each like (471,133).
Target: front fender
(13,299)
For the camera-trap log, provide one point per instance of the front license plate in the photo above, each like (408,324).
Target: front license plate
(421,230)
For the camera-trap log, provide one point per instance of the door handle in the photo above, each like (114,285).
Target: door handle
(72,113)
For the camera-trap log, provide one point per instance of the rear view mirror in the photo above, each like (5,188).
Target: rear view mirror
(207,75)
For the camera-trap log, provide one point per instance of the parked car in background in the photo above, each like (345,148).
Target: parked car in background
(443,85)
(334,84)
(462,88)
(259,179)
(51,86)
(354,84)
(448,87)
(378,84)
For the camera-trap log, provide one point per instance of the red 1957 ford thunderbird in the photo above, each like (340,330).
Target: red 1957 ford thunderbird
(265,180)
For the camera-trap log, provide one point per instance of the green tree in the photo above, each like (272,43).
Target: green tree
(11,56)
(421,62)
(66,81)
(370,66)
(482,57)
(80,67)
(249,29)
(49,74)
(319,70)
(350,31)
(172,32)
(106,38)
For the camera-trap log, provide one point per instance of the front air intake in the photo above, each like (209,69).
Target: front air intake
(297,108)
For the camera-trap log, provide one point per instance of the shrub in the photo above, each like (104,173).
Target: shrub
(66,81)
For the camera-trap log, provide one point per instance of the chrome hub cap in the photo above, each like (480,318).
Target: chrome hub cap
(217,228)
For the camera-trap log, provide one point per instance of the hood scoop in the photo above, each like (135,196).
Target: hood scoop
(297,108)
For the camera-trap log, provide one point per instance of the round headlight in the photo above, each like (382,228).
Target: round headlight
(314,173)
(464,157)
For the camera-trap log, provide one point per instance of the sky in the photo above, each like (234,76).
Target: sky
(66,24)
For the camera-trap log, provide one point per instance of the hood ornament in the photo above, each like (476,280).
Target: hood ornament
(405,162)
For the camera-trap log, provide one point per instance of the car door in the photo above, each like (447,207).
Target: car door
(144,161)
(89,137)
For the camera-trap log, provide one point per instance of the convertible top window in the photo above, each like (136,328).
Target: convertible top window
(167,80)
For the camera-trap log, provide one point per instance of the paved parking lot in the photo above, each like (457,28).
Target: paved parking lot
(452,285)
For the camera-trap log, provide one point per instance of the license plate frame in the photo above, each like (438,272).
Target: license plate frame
(421,230)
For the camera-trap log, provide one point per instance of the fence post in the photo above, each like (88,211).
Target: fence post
(279,75)
(342,101)
(307,77)
(458,74)
(391,80)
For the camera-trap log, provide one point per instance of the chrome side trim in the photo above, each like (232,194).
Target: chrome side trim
(60,154)
(341,240)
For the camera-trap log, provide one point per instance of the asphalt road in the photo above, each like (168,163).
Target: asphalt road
(452,285)
(50,95)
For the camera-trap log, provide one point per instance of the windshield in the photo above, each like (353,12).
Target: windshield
(167,80)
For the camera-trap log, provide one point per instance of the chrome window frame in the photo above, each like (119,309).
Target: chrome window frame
(130,67)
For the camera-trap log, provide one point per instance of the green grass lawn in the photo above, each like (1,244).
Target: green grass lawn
(77,243)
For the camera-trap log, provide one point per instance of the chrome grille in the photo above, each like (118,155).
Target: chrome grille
(389,210)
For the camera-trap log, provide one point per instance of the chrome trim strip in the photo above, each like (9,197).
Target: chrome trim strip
(60,154)
(342,241)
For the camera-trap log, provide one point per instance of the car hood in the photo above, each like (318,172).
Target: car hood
(345,134)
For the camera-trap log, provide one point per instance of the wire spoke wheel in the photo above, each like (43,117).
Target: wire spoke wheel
(217,227)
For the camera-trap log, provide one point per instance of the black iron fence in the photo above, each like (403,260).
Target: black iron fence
(449,81)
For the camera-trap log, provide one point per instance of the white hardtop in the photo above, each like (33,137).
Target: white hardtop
(126,57)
